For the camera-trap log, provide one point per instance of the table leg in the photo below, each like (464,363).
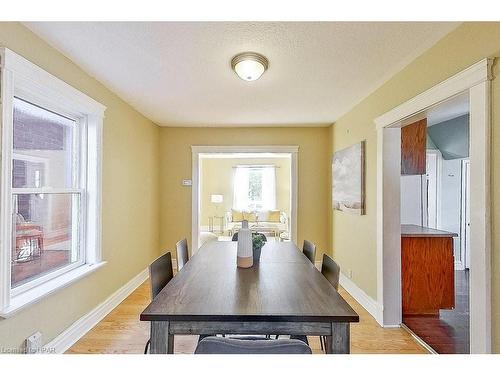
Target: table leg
(162,342)
(339,341)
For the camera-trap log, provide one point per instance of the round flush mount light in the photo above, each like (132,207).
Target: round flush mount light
(249,66)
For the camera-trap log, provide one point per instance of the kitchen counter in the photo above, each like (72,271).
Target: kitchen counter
(427,270)
(410,230)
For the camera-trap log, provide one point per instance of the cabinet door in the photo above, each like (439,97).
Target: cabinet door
(413,148)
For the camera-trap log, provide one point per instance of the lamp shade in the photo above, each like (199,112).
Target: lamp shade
(216,198)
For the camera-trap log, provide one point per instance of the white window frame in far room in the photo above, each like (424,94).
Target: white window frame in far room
(261,169)
(21,78)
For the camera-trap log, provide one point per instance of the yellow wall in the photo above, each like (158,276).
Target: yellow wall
(217,177)
(463,47)
(130,236)
(144,165)
(313,164)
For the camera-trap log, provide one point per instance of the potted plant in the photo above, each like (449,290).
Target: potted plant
(258,240)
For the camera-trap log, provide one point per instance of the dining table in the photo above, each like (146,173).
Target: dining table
(282,294)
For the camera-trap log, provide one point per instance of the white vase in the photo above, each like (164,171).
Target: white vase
(245,249)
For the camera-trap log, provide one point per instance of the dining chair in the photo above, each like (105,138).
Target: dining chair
(309,250)
(181,248)
(160,273)
(250,345)
(331,270)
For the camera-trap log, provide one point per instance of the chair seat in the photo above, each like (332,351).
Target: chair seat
(302,338)
(224,345)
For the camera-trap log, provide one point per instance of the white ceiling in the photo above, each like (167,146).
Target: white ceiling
(449,109)
(179,74)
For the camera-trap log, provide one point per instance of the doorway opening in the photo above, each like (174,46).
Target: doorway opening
(253,183)
(475,81)
(438,200)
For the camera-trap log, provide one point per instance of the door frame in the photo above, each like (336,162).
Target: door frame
(293,150)
(464,202)
(476,80)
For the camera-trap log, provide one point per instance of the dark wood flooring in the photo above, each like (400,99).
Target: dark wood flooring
(447,333)
(48,261)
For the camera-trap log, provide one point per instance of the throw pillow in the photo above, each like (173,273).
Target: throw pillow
(274,216)
(250,216)
(237,216)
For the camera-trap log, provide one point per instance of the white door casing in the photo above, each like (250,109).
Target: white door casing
(279,149)
(476,81)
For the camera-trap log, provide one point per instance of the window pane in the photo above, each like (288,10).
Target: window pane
(45,234)
(43,147)
(255,185)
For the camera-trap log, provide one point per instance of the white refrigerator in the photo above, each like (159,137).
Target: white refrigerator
(414,199)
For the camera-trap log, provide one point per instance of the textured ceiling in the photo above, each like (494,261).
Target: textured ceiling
(179,74)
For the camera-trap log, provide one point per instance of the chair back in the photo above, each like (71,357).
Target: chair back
(331,270)
(160,273)
(181,248)
(309,250)
(225,345)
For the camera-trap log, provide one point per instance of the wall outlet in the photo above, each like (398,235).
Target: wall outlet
(349,273)
(34,343)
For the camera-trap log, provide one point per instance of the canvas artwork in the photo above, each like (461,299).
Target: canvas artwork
(348,192)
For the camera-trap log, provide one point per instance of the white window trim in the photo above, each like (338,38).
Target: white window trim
(260,168)
(19,77)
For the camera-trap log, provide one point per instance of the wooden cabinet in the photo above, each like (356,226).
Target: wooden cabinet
(413,148)
(427,272)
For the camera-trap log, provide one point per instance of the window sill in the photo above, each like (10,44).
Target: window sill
(33,295)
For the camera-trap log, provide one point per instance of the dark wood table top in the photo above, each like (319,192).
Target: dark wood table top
(284,287)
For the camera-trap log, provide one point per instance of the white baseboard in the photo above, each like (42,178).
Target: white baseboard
(79,328)
(359,295)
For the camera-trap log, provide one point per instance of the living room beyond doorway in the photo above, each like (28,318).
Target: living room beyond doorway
(256,187)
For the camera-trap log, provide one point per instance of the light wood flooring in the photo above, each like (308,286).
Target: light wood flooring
(122,332)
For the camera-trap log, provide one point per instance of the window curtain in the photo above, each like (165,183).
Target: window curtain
(269,188)
(240,189)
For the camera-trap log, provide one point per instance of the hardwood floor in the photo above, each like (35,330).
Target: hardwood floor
(122,332)
(448,332)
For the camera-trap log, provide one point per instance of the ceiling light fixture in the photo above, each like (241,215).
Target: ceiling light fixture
(249,66)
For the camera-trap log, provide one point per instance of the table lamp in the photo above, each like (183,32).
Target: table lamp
(216,199)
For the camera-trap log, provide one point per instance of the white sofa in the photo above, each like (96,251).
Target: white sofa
(261,222)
